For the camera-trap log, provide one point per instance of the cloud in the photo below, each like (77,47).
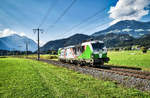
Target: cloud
(148,30)
(116,31)
(127,30)
(139,30)
(141,34)
(7,32)
(129,10)
(41,42)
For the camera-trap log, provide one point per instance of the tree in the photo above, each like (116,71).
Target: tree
(144,49)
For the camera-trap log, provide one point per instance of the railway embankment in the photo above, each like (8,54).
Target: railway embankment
(133,78)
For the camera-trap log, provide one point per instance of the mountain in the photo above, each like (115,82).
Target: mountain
(133,28)
(16,42)
(109,39)
(142,41)
(113,39)
(123,33)
(73,40)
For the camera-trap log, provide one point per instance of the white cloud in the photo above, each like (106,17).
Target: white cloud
(129,10)
(117,31)
(41,42)
(148,30)
(114,31)
(7,32)
(110,32)
(127,30)
(141,34)
(139,30)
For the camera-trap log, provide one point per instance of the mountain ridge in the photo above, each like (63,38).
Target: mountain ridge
(17,42)
(131,27)
(110,36)
(72,40)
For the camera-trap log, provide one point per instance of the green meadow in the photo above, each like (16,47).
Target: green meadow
(42,56)
(118,58)
(22,78)
(130,58)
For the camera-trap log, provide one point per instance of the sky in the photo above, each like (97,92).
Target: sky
(84,16)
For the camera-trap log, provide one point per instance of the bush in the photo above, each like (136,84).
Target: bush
(53,57)
(144,49)
(128,48)
(116,49)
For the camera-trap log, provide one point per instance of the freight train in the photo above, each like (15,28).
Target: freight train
(92,53)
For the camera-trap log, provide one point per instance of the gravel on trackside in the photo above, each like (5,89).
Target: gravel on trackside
(127,81)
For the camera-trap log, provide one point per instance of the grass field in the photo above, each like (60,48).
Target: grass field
(119,58)
(130,58)
(33,79)
(43,56)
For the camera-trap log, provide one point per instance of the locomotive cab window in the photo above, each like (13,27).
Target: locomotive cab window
(82,49)
(97,46)
(75,50)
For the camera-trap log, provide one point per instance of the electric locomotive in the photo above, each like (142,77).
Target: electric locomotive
(87,53)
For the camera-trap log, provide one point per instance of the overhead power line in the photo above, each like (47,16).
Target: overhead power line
(86,19)
(93,28)
(84,28)
(51,7)
(88,27)
(62,15)
(82,22)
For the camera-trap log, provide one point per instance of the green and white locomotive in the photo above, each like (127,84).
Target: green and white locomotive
(87,53)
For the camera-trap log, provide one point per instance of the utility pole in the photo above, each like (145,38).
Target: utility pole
(13,51)
(38,33)
(27,49)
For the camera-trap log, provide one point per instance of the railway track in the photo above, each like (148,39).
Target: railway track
(127,76)
(126,71)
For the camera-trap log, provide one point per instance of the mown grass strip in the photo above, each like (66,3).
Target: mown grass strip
(33,79)
(130,58)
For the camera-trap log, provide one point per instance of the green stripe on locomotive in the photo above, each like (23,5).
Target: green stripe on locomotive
(88,54)
(59,52)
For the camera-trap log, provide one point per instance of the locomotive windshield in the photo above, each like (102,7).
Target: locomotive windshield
(97,46)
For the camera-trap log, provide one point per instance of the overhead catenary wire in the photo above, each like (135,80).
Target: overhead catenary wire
(41,30)
(84,28)
(13,20)
(85,20)
(50,9)
(97,26)
(62,15)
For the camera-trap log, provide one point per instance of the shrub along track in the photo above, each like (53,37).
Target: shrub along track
(127,76)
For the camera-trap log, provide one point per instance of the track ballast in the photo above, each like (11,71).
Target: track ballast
(127,76)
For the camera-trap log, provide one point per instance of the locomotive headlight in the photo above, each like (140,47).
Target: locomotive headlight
(105,49)
(92,55)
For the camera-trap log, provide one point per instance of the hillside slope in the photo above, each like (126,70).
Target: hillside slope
(123,33)
(131,27)
(73,40)
(16,42)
